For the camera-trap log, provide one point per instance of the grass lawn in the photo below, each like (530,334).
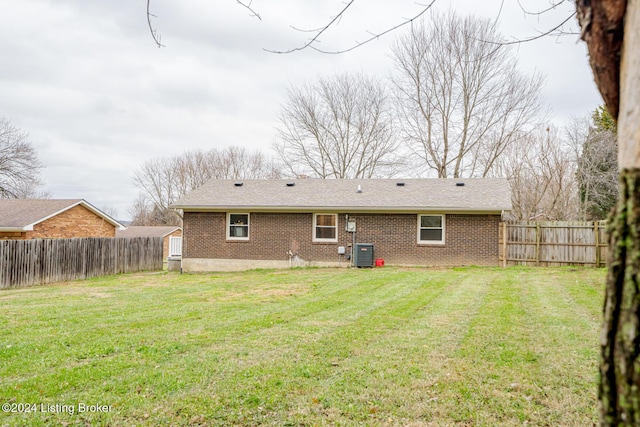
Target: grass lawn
(386,346)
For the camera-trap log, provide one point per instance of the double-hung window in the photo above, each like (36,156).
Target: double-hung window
(431,229)
(325,227)
(238,226)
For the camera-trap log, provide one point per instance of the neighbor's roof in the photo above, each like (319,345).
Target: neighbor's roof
(23,214)
(376,195)
(146,231)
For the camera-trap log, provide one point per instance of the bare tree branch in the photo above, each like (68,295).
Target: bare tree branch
(543,11)
(318,33)
(156,36)
(539,36)
(154,33)
(312,42)
(250,9)
(374,36)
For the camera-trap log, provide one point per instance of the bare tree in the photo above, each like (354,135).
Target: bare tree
(157,180)
(541,170)
(163,181)
(110,210)
(239,163)
(31,189)
(141,211)
(461,99)
(570,175)
(19,164)
(339,127)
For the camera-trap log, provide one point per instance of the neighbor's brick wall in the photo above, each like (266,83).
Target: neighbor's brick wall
(75,222)
(13,235)
(469,239)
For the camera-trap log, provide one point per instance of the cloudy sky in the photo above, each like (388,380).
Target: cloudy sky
(98,98)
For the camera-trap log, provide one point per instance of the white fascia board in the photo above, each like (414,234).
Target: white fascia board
(349,209)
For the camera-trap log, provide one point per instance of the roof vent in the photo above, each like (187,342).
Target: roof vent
(290,184)
(459,184)
(238,184)
(400,184)
(359,189)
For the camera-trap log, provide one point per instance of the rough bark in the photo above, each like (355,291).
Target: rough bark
(616,68)
(620,342)
(602,26)
(620,347)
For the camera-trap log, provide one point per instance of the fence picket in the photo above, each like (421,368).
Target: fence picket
(31,262)
(556,243)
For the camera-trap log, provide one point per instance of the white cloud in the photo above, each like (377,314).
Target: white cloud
(98,98)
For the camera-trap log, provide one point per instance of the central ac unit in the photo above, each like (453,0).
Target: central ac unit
(363,255)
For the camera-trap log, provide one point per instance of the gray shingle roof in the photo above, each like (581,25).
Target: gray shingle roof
(146,231)
(376,195)
(21,214)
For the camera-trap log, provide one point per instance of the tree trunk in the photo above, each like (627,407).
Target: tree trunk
(620,343)
(619,388)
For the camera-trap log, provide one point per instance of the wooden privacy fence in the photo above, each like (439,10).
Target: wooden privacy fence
(38,261)
(554,243)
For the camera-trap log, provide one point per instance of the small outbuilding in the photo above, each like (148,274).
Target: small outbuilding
(171,237)
(241,224)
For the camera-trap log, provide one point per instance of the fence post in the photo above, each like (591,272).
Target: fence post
(504,244)
(537,243)
(597,241)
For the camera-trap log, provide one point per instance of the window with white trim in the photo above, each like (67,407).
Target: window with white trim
(238,226)
(431,229)
(325,227)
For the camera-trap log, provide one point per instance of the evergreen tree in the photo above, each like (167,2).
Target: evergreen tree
(598,167)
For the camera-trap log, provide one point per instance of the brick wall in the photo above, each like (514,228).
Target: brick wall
(165,243)
(469,239)
(13,235)
(75,222)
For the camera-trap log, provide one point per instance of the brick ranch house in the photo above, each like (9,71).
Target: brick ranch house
(165,232)
(234,225)
(52,219)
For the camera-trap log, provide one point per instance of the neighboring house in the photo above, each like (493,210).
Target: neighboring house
(169,235)
(53,219)
(230,225)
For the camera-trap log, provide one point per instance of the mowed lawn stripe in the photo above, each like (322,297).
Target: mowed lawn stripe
(568,337)
(357,318)
(386,343)
(392,346)
(394,376)
(522,344)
